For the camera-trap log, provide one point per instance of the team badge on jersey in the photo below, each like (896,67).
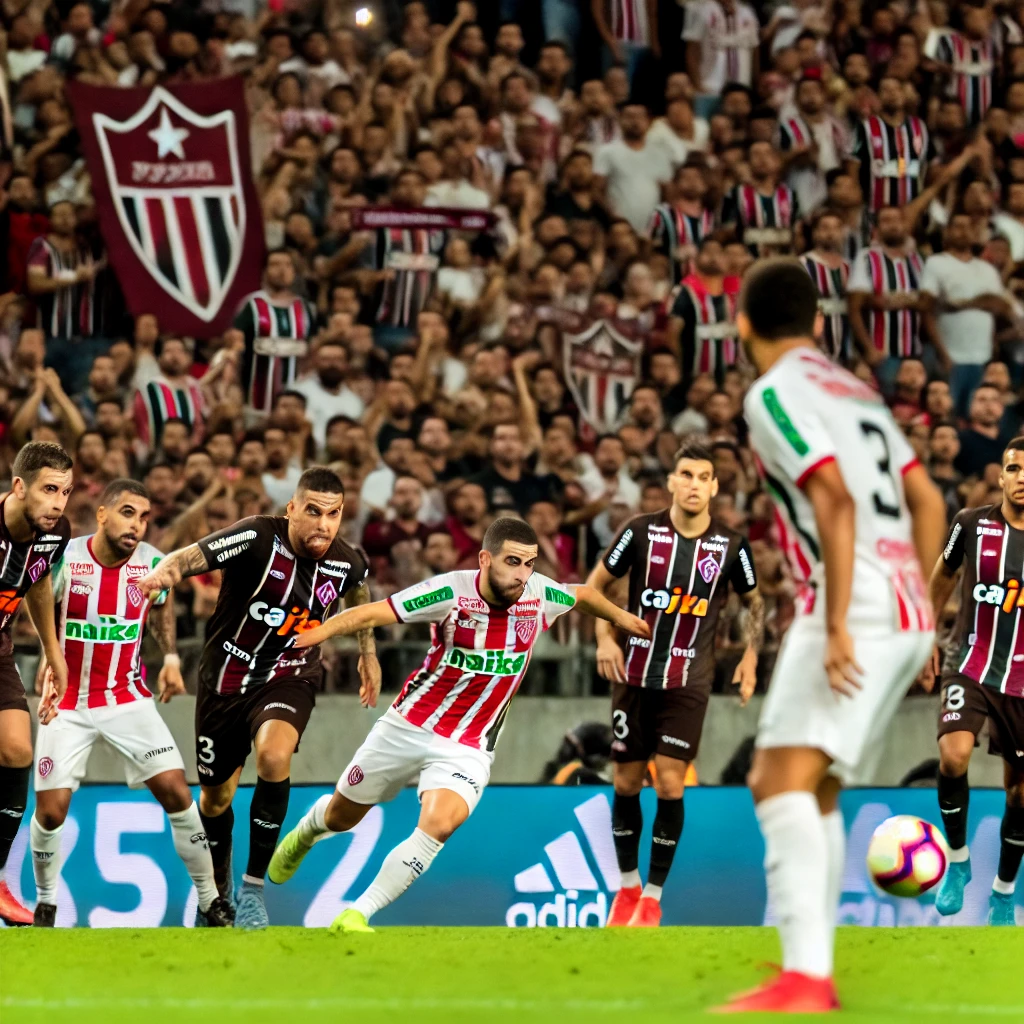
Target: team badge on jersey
(525,629)
(709,568)
(134,595)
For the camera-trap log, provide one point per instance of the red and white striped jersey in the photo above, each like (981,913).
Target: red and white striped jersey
(479,655)
(807,411)
(101,616)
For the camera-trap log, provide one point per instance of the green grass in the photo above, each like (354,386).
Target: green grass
(456,975)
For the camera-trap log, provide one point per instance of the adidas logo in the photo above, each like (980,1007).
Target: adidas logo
(570,869)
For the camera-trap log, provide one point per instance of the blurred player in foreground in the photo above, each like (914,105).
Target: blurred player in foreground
(984,679)
(859,518)
(680,564)
(282,576)
(445,722)
(33,535)
(101,617)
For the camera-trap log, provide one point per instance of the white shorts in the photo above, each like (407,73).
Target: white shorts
(396,752)
(136,731)
(801,709)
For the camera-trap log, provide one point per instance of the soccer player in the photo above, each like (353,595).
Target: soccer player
(445,722)
(33,535)
(859,517)
(681,563)
(101,617)
(983,679)
(282,576)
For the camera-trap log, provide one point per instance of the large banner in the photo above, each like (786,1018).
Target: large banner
(530,857)
(170,171)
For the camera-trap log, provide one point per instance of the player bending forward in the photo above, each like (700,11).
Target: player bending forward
(984,679)
(445,723)
(680,563)
(858,516)
(101,616)
(282,575)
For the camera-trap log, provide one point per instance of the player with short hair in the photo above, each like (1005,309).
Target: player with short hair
(681,563)
(858,516)
(282,576)
(101,617)
(445,723)
(983,679)
(33,535)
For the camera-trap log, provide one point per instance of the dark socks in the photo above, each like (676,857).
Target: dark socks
(954,796)
(266,816)
(218,835)
(13,795)
(1011,845)
(627,823)
(668,827)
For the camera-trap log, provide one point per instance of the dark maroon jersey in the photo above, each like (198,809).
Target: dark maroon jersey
(678,586)
(268,596)
(988,640)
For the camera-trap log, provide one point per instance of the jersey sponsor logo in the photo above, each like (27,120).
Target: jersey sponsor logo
(157,752)
(237,652)
(37,569)
(489,662)
(51,536)
(136,572)
(459,777)
(657,538)
(82,589)
(714,545)
(291,663)
(297,620)
(684,652)
(619,549)
(984,531)
(335,565)
(110,630)
(473,604)
(40,548)
(526,629)
(674,601)
(232,538)
(355,775)
(675,741)
(230,553)
(951,716)
(82,568)
(45,766)
(525,607)
(203,770)
(639,641)
(277,574)
(326,594)
(1009,597)
(783,422)
(414,604)
(279,704)
(748,569)
(657,560)
(709,568)
(660,529)
(559,597)
(134,595)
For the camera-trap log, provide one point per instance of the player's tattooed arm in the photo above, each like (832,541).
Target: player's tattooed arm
(753,628)
(177,566)
(370,677)
(358,596)
(164,629)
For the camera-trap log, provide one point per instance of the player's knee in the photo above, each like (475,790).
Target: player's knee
(1015,793)
(441,827)
(670,789)
(628,787)
(954,755)
(16,753)
(342,814)
(52,813)
(214,802)
(173,795)
(273,764)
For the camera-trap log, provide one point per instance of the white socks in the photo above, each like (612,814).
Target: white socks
(45,860)
(654,891)
(401,867)
(797,863)
(835,837)
(1004,888)
(313,826)
(630,880)
(958,856)
(194,850)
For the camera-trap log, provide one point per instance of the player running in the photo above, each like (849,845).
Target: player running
(445,722)
(984,679)
(858,517)
(282,576)
(681,563)
(101,616)
(33,535)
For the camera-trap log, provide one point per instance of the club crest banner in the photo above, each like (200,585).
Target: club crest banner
(170,171)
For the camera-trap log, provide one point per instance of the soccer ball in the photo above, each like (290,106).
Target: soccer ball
(907,856)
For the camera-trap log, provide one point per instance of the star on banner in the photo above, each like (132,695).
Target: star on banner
(168,139)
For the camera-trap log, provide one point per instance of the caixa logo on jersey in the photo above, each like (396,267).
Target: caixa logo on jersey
(295,621)
(571,884)
(674,601)
(1009,596)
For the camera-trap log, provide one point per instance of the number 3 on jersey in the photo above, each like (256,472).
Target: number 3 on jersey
(887,497)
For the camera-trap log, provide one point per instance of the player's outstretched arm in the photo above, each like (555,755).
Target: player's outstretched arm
(370,678)
(352,620)
(611,663)
(170,571)
(594,603)
(835,514)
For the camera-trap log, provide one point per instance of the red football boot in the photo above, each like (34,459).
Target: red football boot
(647,913)
(790,992)
(11,911)
(623,906)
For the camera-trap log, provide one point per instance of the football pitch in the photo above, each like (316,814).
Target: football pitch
(294,975)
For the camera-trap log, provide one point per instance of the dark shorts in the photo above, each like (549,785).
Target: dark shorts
(12,689)
(227,726)
(646,721)
(967,705)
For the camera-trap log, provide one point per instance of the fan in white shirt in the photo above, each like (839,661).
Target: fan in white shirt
(326,393)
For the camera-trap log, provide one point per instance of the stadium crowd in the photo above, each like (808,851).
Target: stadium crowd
(634,158)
